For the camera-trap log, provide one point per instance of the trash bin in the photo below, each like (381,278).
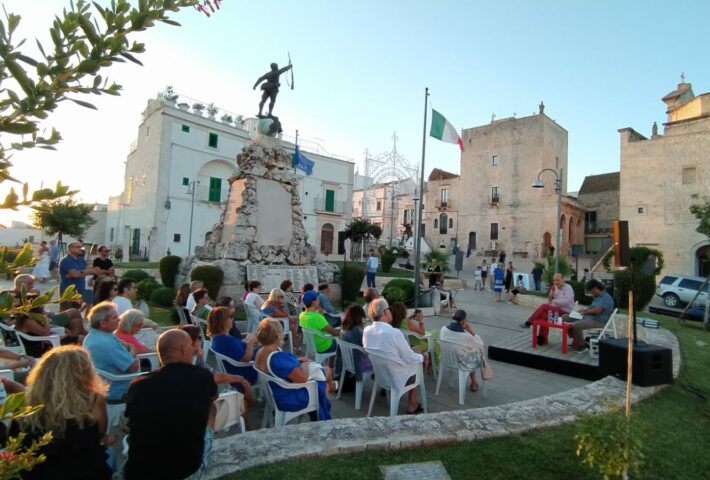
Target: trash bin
(426,298)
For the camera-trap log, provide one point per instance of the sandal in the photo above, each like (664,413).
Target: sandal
(419,409)
(474,387)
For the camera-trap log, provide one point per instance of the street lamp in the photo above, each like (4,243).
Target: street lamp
(558,190)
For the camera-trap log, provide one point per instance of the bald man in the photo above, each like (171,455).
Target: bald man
(170,414)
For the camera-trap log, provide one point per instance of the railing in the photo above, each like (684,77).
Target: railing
(319,205)
(607,244)
(495,200)
(442,205)
(598,227)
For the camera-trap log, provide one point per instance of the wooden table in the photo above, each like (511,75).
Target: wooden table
(544,323)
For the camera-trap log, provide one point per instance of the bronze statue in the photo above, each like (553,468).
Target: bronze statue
(270,86)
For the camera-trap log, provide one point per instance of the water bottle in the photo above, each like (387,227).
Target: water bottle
(556,317)
(550,317)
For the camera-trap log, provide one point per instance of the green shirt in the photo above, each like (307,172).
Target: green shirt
(316,321)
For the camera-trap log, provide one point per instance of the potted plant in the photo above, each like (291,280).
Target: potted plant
(197,107)
(183,105)
(211,110)
(169,96)
(239,120)
(226,118)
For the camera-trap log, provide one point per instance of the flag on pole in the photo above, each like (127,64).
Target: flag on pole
(442,130)
(302,162)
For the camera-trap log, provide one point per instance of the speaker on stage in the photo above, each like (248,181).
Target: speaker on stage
(651,364)
(341,243)
(622,257)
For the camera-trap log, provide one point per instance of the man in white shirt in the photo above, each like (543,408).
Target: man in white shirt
(382,339)
(126,295)
(194,286)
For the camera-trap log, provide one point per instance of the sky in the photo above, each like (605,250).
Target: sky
(360,70)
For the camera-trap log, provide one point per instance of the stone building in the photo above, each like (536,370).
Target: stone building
(491,206)
(659,177)
(176,184)
(600,195)
(389,205)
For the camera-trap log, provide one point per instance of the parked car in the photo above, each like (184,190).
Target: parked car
(679,290)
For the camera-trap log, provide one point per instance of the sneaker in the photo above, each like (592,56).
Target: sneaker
(524,325)
(580,349)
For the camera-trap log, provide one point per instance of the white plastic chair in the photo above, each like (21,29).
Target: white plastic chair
(23,337)
(383,380)
(221,366)
(182,314)
(147,336)
(449,361)
(10,330)
(286,328)
(281,417)
(431,342)
(347,358)
(311,352)
(596,334)
(9,374)
(152,357)
(115,410)
(229,411)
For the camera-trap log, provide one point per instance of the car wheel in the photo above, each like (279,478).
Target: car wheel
(671,300)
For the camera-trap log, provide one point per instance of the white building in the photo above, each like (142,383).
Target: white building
(176,184)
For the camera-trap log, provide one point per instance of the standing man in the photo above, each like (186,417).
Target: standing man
(492,272)
(484,274)
(102,264)
(270,86)
(54,259)
(434,271)
(171,415)
(537,276)
(73,269)
(595,316)
(372,264)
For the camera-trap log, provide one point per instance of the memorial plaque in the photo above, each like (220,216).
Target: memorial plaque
(271,276)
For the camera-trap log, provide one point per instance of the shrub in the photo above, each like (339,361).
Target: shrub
(645,289)
(406,286)
(146,287)
(168,269)
(211,276)
(394,294)
(579,294)
(163,296)
(388,257)
(135,275)
(352,274)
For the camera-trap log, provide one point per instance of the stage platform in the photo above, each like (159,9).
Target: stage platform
(517,349)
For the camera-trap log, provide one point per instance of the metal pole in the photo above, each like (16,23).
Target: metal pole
(558,189)
(417,240)
(192,213)
(392,219)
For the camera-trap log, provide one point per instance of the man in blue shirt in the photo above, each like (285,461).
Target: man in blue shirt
(595,316)
(107,351)
(372,264)
(73,269)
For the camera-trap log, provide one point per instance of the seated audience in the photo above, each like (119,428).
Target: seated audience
(10,360)
(332,314)
(70,319)
(369,295)
(595,316)
(291,298)
(351,331)
(286,366)
(382,339)
(170,415)
(107,351)
(74,410)
(313,319)
(275,307)
(228,303)
(106,291)
(253,299)
(130,322)
(559,301)
(219,324)
(195,285)
(470,350)
(413,323)
(202,306)
(127,292)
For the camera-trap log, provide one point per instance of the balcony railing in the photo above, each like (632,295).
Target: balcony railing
(442,205)
(334,207)
(495,200)
(598,227)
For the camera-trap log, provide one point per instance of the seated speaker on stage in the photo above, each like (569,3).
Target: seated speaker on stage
(595,316)
(560,301)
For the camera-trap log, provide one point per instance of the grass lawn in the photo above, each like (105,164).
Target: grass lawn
(674,429)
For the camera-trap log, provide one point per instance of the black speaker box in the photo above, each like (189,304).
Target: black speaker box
(651,364)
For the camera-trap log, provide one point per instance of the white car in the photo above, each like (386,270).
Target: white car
(679,290)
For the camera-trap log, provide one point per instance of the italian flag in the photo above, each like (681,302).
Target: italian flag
(442,130)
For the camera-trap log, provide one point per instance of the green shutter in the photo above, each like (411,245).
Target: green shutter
(215,189)
(212,140)
(185,181)
(330,200)
(186,128)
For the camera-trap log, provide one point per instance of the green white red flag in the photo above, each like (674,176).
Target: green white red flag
(441,129)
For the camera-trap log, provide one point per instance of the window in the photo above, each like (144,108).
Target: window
(667,280)
(444,195)
(326,239)
(379,205)
(451,223)
(215,193)
(185,181)
(185,128)
(110,235)
(330,205)
(494,231)
(689,175)
(436,223)
(494,160)
(212,142)
(495,194)
(176,237)
(443,224)
(690,284)
(129,190)
(641,210)
(408,216)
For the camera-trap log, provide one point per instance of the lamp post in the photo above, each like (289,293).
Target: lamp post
(558,190)
(192,187)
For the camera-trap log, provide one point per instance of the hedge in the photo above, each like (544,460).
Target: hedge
(146,287)
(211,276)
(169,266)
(407,286)
(135,275)
(163,296)
(645,289)
(352,274)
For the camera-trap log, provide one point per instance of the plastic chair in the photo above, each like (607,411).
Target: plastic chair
(430,348)
(147,336)
(229,411)
(347,358)
(183,315)
(282,417)
(115,410)
(311,352)
(9,336)
(23,337)
(152,357)
(286,328)
(383,380)
(221,366)
(449,361)
(253,317)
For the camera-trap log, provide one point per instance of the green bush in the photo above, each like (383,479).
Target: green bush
(352,274)
(388,257)
(135,275)
(579,294)
(168,269)
(163,296)
(211,276)
(406,286)
(645,289)
(146,287)
(394,294)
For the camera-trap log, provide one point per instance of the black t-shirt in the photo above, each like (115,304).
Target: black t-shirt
(433,274)
(167,414)
(102,264)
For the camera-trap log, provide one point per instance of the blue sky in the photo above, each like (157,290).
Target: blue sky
(361,69)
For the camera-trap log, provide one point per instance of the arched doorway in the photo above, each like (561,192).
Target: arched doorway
(702,260)
(471,243)
(443,224)
(326,239)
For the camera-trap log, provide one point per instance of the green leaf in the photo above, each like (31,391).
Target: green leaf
(82,103)
(19,128)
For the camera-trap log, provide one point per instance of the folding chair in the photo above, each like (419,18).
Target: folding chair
(596,334)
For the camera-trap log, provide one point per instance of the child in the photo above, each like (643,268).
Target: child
(478,278)
(519,288)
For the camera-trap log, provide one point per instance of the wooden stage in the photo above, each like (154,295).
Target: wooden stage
(517,349)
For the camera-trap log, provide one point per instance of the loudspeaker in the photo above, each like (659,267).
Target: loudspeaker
(651,364)
(341,243)
(621,244)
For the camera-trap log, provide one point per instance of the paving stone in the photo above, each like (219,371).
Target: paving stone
(419,471)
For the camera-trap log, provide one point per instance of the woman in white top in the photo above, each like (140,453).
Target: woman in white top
(470,351)
(383,340)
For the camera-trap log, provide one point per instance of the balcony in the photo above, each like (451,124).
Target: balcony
(442,205)
(495,200)
(320,205)
(598,227)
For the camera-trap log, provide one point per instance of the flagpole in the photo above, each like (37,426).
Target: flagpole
(418,238)
(295,148)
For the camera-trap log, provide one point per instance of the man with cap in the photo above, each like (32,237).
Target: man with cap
(312,318)
(73,269)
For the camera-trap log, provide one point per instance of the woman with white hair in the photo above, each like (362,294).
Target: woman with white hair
(130,322)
